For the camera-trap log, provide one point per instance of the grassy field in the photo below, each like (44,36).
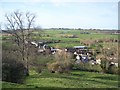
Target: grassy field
(76,79)
(70,42)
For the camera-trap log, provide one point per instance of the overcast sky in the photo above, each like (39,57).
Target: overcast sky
(101,14)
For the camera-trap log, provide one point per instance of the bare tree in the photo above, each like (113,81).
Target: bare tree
(20,24)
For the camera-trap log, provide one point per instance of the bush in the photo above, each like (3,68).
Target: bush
(107,67)
(62,63)
(13,69)
(104,65)
(113,69)
(39,64)
(55,67)
(87,67)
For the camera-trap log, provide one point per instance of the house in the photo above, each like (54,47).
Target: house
(113,63)
(80,47)
(81,58)
(72,50)
(40,44)
(78,50)
(34,43)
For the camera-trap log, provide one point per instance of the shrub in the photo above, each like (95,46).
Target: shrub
(62,63)
(39,64)
(112,69)
(55,67)
(13,69)
(107,67)
(87,67)
(104,65)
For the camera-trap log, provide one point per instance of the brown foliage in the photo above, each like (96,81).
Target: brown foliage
(62,62)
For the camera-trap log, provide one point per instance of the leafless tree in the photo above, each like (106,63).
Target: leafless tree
(19,25)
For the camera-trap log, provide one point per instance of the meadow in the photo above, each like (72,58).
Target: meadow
(67,38)
(76,78)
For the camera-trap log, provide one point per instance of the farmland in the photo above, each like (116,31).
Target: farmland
(59,44)
(76,78)
(70,42)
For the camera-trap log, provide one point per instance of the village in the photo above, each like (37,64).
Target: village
(82,54)
(58,44)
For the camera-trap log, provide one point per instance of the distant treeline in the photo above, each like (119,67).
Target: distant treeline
(111,31)
(80,29)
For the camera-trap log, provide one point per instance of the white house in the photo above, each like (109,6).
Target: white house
(80,47)
(33,43)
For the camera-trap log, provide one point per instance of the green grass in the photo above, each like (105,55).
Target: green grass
(70,42)
(14,85)
(77,79)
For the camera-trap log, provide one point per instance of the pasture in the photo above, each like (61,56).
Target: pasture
(67,38)
(76,78)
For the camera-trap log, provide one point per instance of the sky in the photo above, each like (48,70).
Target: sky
(95,14)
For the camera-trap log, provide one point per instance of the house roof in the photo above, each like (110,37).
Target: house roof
(80,47)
